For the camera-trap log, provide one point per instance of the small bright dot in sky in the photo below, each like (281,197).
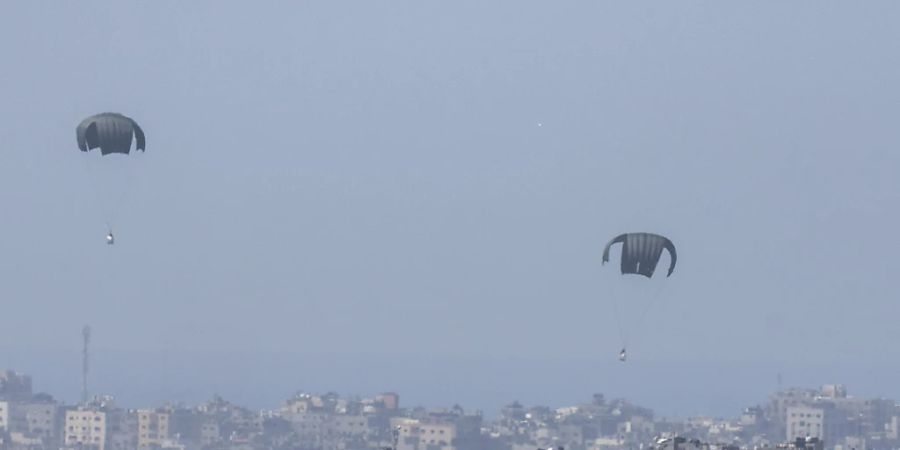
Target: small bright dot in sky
(540,124)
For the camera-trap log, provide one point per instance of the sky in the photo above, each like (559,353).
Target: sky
(415,196)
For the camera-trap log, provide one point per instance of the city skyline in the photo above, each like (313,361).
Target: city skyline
(825,417)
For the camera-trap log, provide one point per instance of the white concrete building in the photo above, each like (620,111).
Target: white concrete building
(85,428)
(804,422)
(153,428)
(4,416)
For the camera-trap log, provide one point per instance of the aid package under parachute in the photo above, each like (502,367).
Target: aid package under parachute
(112,147)
(634,292)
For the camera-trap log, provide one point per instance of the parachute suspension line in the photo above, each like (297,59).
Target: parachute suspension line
(123,195)
(642,314)
(117,205)
(619,319)
(109,206)
(95,187)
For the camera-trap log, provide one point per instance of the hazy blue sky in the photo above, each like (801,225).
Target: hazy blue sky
(366,184)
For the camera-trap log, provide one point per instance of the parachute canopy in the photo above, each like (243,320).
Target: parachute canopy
(110,132)
(641,252)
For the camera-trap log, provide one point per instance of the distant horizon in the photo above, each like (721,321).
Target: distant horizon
(136,379)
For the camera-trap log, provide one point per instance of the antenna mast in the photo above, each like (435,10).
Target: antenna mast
(86,334)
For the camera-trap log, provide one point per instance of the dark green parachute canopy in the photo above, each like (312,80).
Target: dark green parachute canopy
(111,132)
(641,252)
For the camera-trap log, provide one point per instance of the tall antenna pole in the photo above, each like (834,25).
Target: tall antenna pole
(86,334)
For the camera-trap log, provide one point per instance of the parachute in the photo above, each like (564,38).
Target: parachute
(641,252)
(111,132)
(633,297)
(112,169)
